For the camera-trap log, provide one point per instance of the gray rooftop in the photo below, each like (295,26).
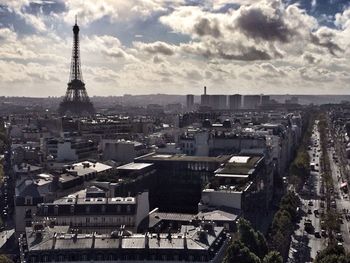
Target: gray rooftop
(58,239)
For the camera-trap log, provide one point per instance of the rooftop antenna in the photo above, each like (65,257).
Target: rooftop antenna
(76,19)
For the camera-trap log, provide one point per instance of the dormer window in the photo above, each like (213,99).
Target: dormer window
(56,209)
(28,200)
(46,210)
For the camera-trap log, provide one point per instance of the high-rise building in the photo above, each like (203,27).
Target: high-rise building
(189,101)
(265,99)
(76,100)
(235,102)
(218,102)
(251,101)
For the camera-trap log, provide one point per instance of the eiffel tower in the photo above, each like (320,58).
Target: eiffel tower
(76,101)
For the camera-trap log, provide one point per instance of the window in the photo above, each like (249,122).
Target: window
(118,208)
(28,200)
(128,208)
(87,220)
(56,209)
(46,209)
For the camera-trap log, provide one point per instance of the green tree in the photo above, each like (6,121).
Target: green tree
(252,239)
(332,254)
(238,253)
(5,259)
(278,242)
(273,257)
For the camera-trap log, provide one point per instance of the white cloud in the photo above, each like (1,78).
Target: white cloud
(92,10)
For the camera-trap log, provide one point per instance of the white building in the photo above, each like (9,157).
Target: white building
(122,151)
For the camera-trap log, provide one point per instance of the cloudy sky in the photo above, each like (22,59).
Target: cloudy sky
(177,46)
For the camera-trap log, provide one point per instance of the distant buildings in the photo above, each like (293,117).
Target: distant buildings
(265,100)
(252,101)
(235,102)
(121,150)
(70,149)
(189,102)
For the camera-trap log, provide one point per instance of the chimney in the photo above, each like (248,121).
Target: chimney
(75,237)
(146,240)
(120,240)
(169,234)
(54,240)
(93,240)
(205,90)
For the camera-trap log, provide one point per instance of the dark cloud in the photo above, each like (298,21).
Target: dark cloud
(229,51)
(254,23)
(311,59)
(325,38)
(157,59)
(206,27)
(246,54)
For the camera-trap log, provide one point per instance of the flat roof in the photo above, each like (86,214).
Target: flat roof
(236,169)
(134,166)
(98,167)
(233,175)
(182,157)
(239,159)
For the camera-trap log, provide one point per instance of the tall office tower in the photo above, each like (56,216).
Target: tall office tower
(265,99)
(189,101)
(218,102)
(76,100)
(251,101)
(235,102)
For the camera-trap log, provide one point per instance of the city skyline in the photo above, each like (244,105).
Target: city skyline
(176,47)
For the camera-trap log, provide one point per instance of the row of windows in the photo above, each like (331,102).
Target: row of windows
(87,208)
(112,257)
(95,220)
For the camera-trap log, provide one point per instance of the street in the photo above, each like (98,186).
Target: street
(307,241)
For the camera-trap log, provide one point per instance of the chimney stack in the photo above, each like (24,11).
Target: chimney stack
(54,240)
(146,240)
(205,90)
(93,240)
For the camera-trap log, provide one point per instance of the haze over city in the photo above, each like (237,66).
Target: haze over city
(173,47)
